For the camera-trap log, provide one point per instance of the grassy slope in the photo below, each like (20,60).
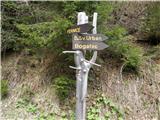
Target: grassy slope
(136,96)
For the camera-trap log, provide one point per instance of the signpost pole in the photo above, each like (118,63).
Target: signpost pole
(82,19)
(86,67)
(82,65)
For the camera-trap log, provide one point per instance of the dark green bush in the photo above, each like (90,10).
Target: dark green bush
(153,17)
(120,42)
(63,86)
(45,35)
(122,46)
(35,31)
(40,24)
(152,23)
(13,12)
(4,88)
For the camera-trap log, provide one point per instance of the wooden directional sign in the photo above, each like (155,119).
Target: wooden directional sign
(89,37)
(88,42)
(88,45)
(83,28)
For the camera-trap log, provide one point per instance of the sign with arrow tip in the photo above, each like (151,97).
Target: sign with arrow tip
(83,28)
(88,45)
(89,37)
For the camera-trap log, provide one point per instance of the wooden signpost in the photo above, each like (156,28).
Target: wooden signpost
(82,41)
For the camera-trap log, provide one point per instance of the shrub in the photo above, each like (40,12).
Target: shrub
(63,86)
(13,12)
(4,88)
(122,46)
(152,23)
(153,17)
(104,10)
(45,35)
(120,42)
(44,25)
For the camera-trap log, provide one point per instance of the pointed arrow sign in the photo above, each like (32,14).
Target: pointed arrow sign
(89,37)
(88,45)
(83,28)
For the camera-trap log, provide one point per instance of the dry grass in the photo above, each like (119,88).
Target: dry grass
(137,95)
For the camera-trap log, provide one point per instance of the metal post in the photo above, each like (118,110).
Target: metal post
(86,67)
(82,19)
(82,69)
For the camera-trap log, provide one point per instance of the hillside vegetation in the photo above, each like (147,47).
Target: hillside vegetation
(37,82)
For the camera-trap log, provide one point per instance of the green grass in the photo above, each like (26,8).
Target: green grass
(63,86)
(4,88)
(111,110)
(32,108)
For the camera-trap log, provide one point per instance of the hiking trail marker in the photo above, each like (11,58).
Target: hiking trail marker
(81,41)
(82,28)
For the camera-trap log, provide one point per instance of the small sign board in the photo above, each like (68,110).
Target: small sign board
(88,45)
(89,37)
(83,28)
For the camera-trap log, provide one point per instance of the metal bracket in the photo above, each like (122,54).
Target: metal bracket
(75,52)
(76,68)
(92,63)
